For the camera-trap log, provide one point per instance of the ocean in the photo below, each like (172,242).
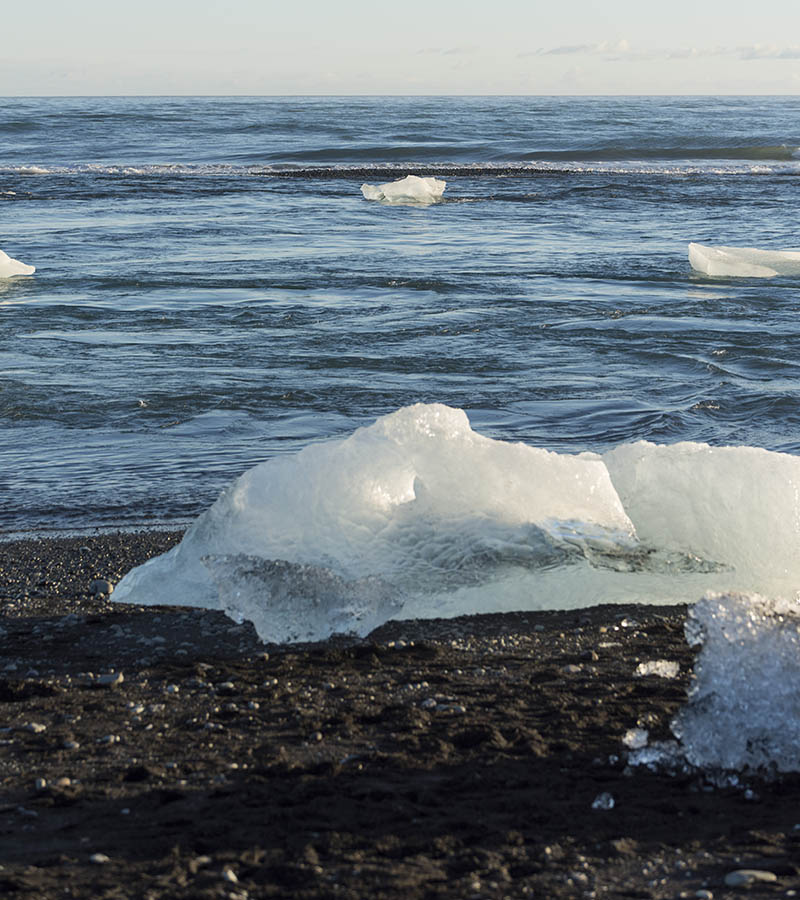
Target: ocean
(212,290)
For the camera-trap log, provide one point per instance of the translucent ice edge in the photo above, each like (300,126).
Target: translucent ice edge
(419,516)
(743,262)
(409,190)
(10,267)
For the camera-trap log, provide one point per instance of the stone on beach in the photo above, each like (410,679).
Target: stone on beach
(741,877)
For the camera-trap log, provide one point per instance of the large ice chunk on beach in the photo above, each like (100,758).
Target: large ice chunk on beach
(743,262)
(744,704)
(417,500)
(10,267)
(418,515)
(409,190)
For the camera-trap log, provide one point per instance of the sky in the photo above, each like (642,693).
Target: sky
(263,47)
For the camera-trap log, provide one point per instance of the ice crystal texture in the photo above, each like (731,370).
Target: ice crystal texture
(288,602)
(743,711)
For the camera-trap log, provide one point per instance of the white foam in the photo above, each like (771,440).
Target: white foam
(10,267)
(744,706)
(409,190)
(743,262)
(420,509)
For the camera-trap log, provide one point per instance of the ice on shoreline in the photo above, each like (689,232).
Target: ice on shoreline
(743,262)
(412,190)
(743,711)
(420,510)
(10,267)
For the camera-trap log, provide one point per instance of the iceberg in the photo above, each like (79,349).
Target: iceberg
(409,190)
(743,262)
(743,711)
(10,267)
(420,516)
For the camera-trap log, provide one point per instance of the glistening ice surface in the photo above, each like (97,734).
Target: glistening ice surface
(744,705)
(420,516)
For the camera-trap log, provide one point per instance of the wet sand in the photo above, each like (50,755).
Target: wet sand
(164,752)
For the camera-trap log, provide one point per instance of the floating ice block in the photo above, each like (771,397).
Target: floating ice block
(743,262)
(411,189)
(10,267)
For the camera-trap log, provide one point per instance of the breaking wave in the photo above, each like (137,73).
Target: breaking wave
(544,164)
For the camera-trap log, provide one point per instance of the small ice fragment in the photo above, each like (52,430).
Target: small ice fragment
(659,754)
(743,711)
(603,801)
(10,267)
(411,189)
(743,262)
(636,738)
(663,668)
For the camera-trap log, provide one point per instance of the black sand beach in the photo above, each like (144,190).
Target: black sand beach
(163,752)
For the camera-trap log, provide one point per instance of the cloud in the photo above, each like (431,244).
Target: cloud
(768,51)
(568,50)
(621,46)
(447,51)
(616,51)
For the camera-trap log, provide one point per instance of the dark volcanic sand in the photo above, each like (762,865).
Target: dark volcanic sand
(451,758)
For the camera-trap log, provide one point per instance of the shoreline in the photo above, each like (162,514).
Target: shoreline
(165,752)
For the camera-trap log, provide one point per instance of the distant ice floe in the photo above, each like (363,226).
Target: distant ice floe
(419,516)
(743,262)
(10,267)
(409,190)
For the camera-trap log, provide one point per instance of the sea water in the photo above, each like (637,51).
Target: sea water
(212,290)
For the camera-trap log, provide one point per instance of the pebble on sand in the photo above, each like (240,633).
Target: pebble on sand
(740,877)
(101,587)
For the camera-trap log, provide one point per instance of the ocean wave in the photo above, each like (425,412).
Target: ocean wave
(399,170)
(624,152)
